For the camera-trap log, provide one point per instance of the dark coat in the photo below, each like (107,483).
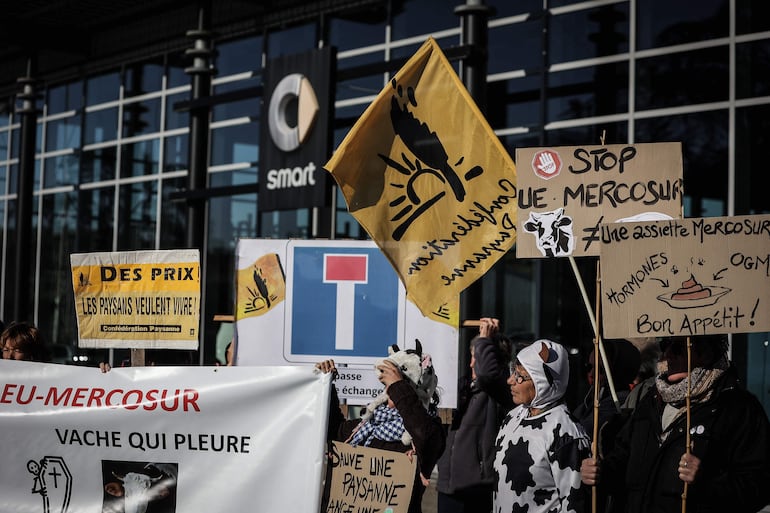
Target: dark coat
(731,437)
(467,465)
(426,430)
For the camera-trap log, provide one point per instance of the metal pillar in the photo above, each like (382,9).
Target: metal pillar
(200,72)
(473,72)
(23,279)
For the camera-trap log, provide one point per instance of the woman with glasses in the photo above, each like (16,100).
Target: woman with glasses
(728,465)
(22,341)
(540,445)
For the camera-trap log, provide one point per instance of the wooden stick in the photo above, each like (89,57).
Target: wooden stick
(471,324)
(137,357)
(597,346)
(689,420)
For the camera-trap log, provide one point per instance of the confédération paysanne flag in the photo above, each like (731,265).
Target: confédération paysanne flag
(428,179)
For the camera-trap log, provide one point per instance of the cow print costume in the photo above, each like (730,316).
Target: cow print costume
(538,457)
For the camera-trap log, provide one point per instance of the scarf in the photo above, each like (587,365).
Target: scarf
(702,384)
(385,424)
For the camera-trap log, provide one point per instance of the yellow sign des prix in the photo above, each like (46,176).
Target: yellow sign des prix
(139,299)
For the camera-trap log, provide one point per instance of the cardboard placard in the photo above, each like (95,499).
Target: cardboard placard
(137,299)
(565,193)
(686,277)
(365,480)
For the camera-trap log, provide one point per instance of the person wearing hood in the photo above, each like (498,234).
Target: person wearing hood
(404,418)
(540,445)
(728,465)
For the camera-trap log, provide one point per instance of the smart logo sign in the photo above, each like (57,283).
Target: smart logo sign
(295,140)
(346,302)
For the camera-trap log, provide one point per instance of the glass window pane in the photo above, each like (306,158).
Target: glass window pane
(98,165)
(174,118)
(143,78)
(360,86)
(95,219)
(588,92)
(503,8)
(101,126)
(704,153)
(515,47)
(233,144)
(176,153)
(137,213)
(59,231)
(61,170)
(173,215)
(751,16)
(236,109)
(290,41)
(665,23)
(140,158)
(238,56)
(419,17)
(285,224)
(4,136)
(752,69)
(514,103)
(103,88)
(588,33)
(615,133)
(175,76)
(232,217)
(699,76)
(141,118)
(65,97)
(752,139)
(61,134)
(358,27)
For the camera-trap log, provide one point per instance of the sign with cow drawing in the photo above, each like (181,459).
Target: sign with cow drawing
(162,439)
(565,193)
(686,277)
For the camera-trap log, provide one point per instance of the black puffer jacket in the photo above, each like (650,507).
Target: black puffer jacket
(730,435)
(426,431)
(468,462)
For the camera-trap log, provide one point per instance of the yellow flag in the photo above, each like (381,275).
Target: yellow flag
(428,179)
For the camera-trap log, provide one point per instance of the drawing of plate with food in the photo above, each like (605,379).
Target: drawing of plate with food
(693,295)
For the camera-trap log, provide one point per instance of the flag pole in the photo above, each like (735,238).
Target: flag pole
(597,345)
(689,419)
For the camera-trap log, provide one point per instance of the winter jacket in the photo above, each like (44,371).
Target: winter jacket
(468,462)
(426,431)
(730,434)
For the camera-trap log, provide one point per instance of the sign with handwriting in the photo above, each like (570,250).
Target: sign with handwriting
(564,193)
(686,277)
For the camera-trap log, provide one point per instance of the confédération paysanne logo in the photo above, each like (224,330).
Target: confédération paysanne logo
(430,159)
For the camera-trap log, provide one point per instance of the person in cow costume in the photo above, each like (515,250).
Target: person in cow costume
(403,418)
(540,445)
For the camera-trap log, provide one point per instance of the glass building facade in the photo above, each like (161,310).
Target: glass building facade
(112,146)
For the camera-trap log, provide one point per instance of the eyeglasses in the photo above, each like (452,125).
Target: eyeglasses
(519,378)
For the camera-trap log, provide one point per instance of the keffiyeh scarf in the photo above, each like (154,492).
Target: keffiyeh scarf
(702,384)
(385,424)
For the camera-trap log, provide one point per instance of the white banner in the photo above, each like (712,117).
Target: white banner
(161,439)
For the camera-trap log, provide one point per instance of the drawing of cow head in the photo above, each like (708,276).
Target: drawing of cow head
(552,231)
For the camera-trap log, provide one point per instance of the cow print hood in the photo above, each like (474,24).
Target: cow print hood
(547,364)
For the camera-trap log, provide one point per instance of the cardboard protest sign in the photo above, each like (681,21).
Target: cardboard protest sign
(137,299)
(303,301)
(162,439)
(686,277)
(365,480)
(428,179)
(565,193)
